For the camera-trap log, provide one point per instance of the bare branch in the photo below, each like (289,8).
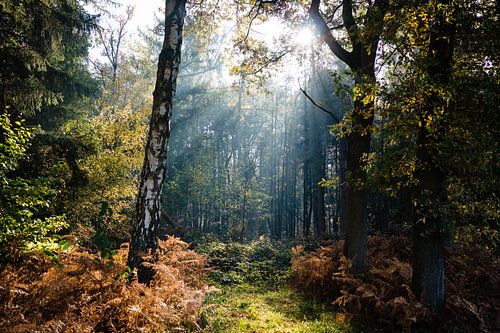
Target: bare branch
(337,27)
(259,3)
(270,61)
(330,113)
(330,18)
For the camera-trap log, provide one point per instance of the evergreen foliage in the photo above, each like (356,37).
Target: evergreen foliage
(44,44)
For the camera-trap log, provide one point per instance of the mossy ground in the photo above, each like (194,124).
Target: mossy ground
(246,308)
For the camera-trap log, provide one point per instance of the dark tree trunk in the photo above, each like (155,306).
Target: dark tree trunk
(428,230)
(307,189)
(358,144)
(145,226)
(382,212)
(361,60)
(342,188)
(429,226)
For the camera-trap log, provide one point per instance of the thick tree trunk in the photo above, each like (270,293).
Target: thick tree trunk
(358,144)
(342,188)
(361,60)
(145,226)
(429,226)
(429,236)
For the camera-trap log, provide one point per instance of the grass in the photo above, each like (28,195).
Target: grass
(246,308)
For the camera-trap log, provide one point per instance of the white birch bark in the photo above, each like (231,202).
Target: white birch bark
(145,225)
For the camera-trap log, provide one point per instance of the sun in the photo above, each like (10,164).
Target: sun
(304,36)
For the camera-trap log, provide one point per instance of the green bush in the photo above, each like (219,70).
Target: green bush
(25,219)
(256,262)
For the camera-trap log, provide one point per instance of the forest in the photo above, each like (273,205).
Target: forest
(313,166)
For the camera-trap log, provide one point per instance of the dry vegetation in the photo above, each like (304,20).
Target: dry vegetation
(84,293)
(383,294)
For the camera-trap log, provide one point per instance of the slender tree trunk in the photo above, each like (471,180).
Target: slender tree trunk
(318,173)
(145,226)
(316,150)
(284,180)
(307,189)
(293,195)
(336,162)
(382,212)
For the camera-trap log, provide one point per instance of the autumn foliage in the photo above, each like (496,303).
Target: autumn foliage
(383,294)
(85,293)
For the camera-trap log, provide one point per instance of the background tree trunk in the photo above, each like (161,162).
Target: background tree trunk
(342,187)
(145,226)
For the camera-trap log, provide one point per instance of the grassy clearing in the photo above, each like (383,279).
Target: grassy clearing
(246,308)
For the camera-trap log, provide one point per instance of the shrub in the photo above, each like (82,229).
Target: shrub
(383,294)
(86,293)
(259,261)
(25,219)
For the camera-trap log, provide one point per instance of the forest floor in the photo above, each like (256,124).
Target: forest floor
(258,287)
(254,294)
(257,308)
(274,287)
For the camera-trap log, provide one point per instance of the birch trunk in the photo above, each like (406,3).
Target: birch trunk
(145,226)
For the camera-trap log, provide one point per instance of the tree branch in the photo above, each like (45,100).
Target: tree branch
(330,18)
(269,61)
(330,113)
(325,32)
(259,3)
(348,19)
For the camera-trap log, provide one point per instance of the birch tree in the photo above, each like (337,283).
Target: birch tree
(145,225)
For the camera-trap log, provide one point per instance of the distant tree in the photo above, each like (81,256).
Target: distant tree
(111,39)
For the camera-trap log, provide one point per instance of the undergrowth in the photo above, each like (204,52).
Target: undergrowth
(255,295)
(251,308)
(257,262)
(84,292)
(383,295)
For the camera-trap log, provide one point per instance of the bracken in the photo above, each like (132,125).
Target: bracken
(383,295)
(85,293)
